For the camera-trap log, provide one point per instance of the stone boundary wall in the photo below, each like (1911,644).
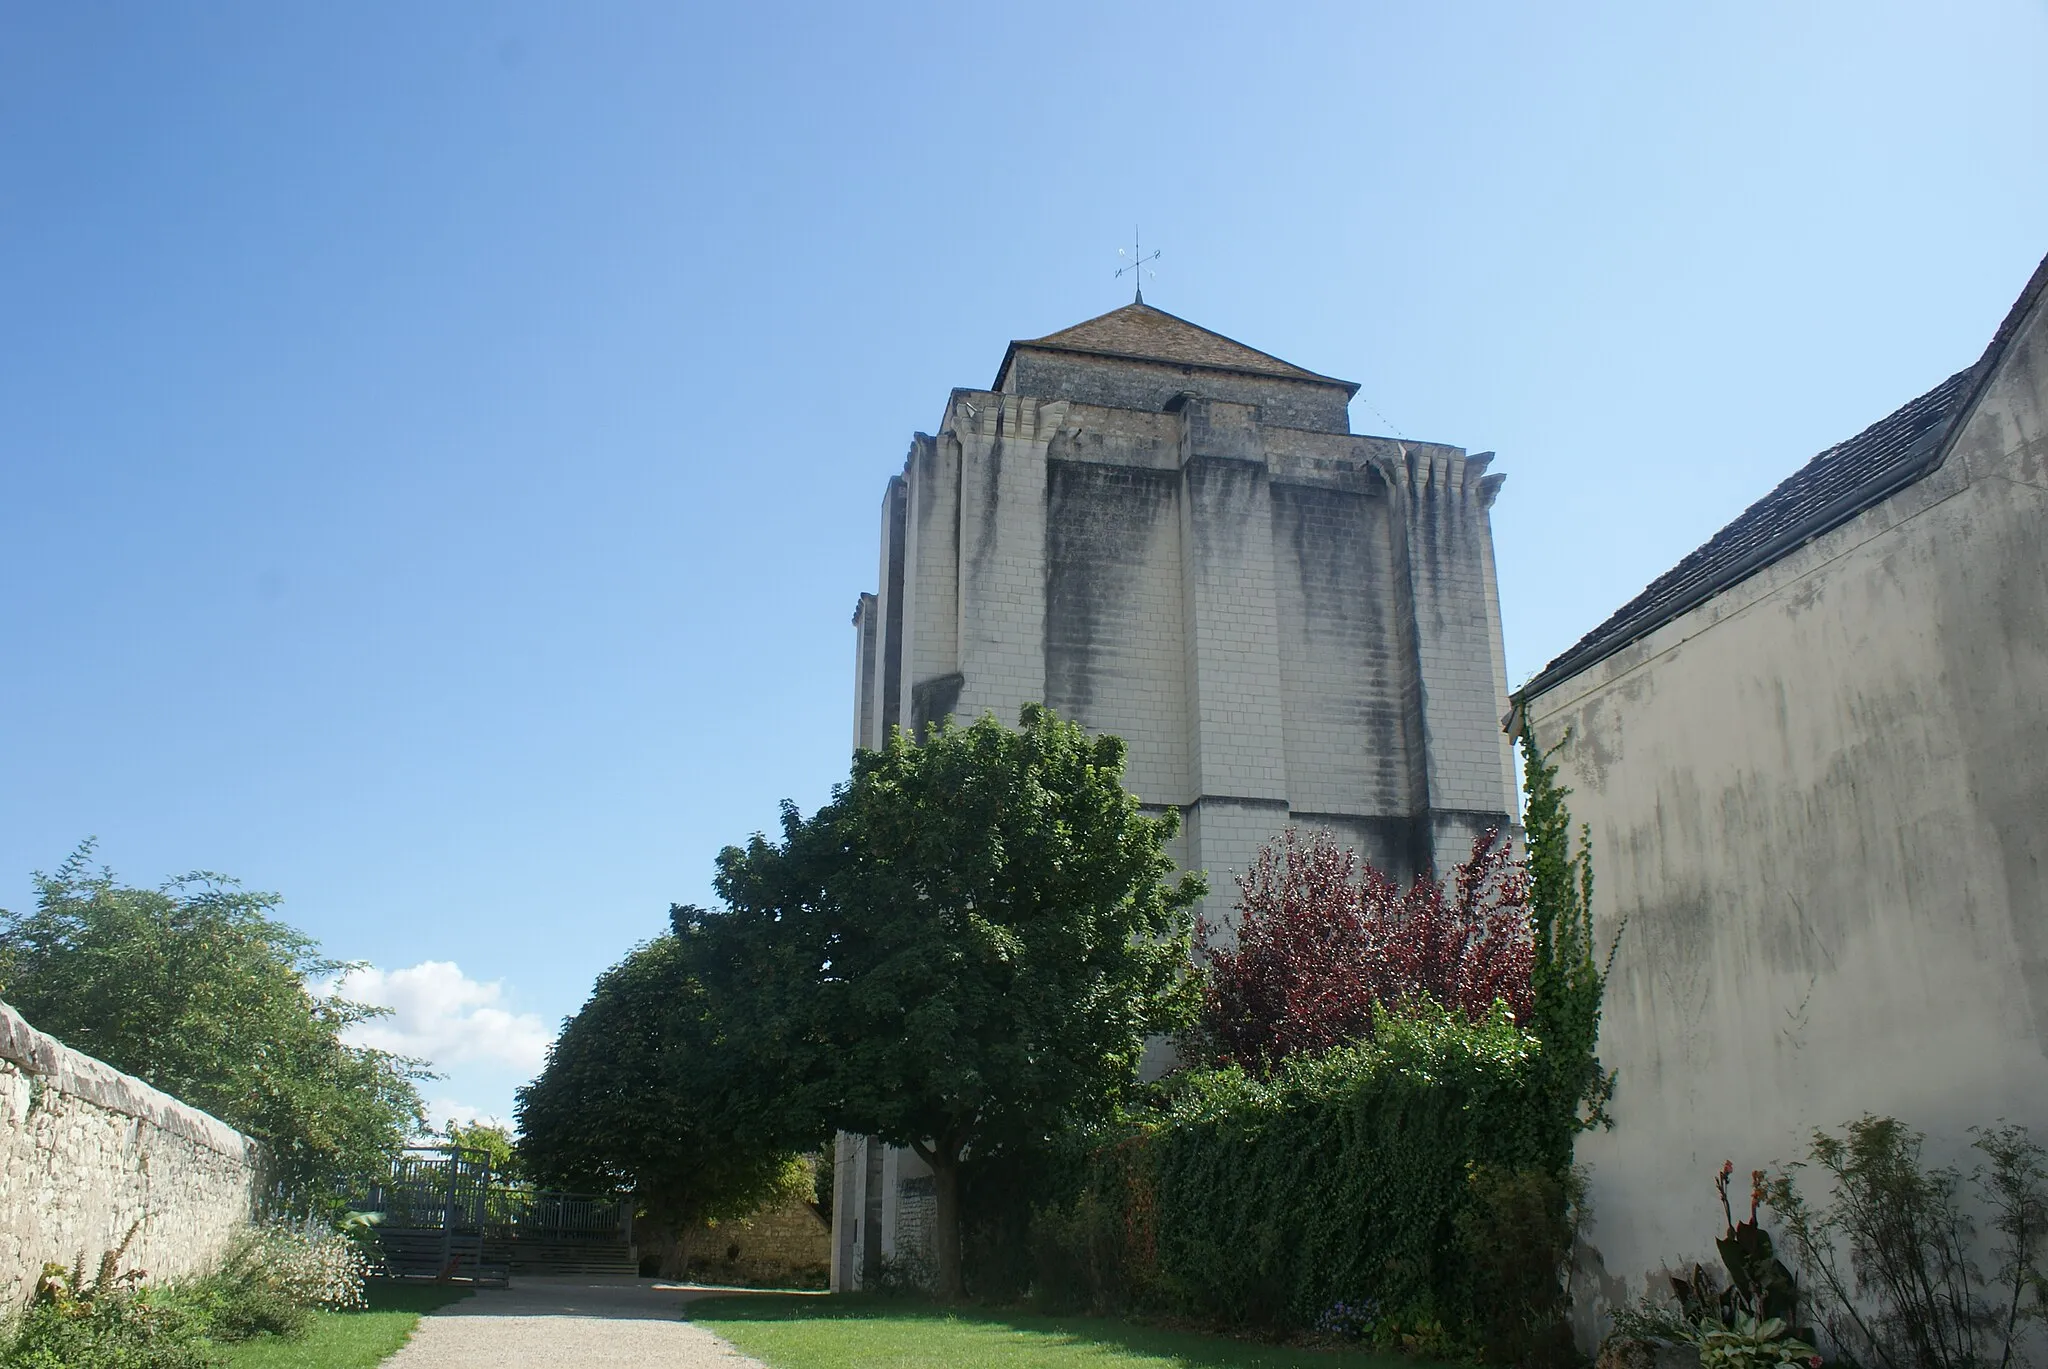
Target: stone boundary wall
(786,1245)
(88,1153)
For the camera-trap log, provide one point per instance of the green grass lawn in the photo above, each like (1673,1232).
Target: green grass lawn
(348,1340)
(791,1332)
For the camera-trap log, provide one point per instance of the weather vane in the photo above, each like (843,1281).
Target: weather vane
(1135,263)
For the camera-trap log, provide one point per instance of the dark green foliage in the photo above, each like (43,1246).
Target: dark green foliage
(239,1309)
(644,1095)
(105,1320)
(1343,1176)
(1002,1194)
(198,990)
(1567,981)
(1516,1234)
(1420,1181)
(1889,1261)
(129,1330)
(1097,1246)
(1341,1179)
(965,950)
(821,1179)
(490,1142)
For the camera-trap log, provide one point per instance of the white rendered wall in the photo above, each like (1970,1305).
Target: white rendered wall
(1819,802)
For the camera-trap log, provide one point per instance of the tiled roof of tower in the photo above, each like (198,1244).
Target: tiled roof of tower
(1143,333)
(1823,494)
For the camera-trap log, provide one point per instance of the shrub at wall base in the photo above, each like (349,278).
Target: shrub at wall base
(1339,1180)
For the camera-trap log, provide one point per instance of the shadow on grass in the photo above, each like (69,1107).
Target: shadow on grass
(382,1295)
(1195,1349)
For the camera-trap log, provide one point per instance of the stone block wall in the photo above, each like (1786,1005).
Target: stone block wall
(1289,626)
(1129,383)
(88,1154)
(787,1244)
(1113,649)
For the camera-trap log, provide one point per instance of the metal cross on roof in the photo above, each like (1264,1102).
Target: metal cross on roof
(1135,263)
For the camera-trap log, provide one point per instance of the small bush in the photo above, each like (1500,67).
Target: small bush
(1517,1234)
(238,1309)
(1322,944)
(1099,1250)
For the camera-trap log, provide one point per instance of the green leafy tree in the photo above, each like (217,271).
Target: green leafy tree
(489,1140)
(643,1096)
(966,949)
(1567,981)
(197,989)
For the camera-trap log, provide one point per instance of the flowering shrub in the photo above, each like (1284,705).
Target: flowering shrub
(274,1278)
(1322,942)
(314,1264)
(271,1281)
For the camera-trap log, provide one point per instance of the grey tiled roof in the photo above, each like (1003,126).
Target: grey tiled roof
(1143,333)
(1823,494)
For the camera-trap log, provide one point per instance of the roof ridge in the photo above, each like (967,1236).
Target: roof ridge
(1136,331)
(1051,339)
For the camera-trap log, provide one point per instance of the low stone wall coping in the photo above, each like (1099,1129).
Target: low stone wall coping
(81,1076)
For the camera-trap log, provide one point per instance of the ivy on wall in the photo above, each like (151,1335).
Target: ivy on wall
(1341,1177)
(1354,1178)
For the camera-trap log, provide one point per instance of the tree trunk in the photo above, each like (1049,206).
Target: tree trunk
(946,1238)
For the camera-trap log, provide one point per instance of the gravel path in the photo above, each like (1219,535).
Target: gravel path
(566,1323)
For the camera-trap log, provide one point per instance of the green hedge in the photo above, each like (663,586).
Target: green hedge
(1340,1180)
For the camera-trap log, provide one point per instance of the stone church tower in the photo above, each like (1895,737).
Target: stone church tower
(1166,534)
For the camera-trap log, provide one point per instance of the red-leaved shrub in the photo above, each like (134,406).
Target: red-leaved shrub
(1320,941)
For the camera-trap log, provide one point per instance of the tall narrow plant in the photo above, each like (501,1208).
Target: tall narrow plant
(1567,982)
(1889,1252)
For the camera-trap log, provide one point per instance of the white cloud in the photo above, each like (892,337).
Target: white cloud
(442,1015)
(442,1111)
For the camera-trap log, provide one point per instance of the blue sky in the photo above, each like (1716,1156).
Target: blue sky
(440,445)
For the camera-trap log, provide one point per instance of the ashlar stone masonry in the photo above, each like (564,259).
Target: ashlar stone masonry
(1168,535)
